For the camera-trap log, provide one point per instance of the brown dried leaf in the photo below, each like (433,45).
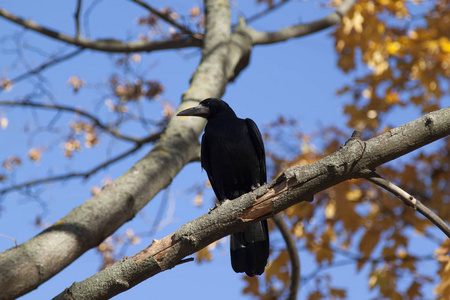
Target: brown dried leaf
(76,82)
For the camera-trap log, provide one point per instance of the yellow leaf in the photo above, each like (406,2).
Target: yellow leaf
(298,230)
(358,20)
(198,199)
(392,98)
(353,195)
(136,58)
(3,122)
(35,154)
(394,47)
(96,190)
(5,84)
(204,255)
(444,43)
(330,209)
(76,82)
(373,280)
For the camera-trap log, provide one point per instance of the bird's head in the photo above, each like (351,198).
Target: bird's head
(208,109)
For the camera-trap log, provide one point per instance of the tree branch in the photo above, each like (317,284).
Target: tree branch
(95,120)
(77,19)
(260,37)
(166,18)
(84,175)
(293,255)
(409,200)
(268,10)
(295,185)
(45,66)
(107,45)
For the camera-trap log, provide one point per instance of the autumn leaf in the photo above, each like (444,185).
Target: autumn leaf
(252,285)
(368,242)
(198,199)
(11,163)
(35,154)
(205,253)
(277,266)
(6,84)
(3,122)
(76,83)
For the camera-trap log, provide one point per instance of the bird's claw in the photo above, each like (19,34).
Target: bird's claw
(213,208)
(254,187)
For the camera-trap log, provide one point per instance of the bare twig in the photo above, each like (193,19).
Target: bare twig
(314,274)
(166,18)
(409,200)
(77,19)
(106,45)
(263,13)
(45,66)
(8,237)
(84,175)
(293,254)
(95,120)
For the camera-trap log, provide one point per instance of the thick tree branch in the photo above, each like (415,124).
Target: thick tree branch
(25,267)
(107,45)
(295,185)
(293,255)
(410,200)
(81,112)
(260,37)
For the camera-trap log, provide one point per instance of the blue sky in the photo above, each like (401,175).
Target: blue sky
(297,79)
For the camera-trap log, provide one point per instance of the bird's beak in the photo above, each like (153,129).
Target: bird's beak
(197,111)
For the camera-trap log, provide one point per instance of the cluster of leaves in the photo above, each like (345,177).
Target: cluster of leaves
(114,247)
(133,91)
(408,61)
(193,22)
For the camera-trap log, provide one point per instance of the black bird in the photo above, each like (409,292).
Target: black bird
(232,153)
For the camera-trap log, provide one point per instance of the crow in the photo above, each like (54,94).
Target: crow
(232,154)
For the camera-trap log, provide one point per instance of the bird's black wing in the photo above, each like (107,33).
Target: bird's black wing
(257,141)
(206,165)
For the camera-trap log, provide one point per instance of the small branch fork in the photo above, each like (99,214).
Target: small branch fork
(409,200)
(62,177)
(95,120)
(138,144)
(107,45)
(166,18)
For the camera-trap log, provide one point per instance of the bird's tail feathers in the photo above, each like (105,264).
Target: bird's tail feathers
(250,249)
